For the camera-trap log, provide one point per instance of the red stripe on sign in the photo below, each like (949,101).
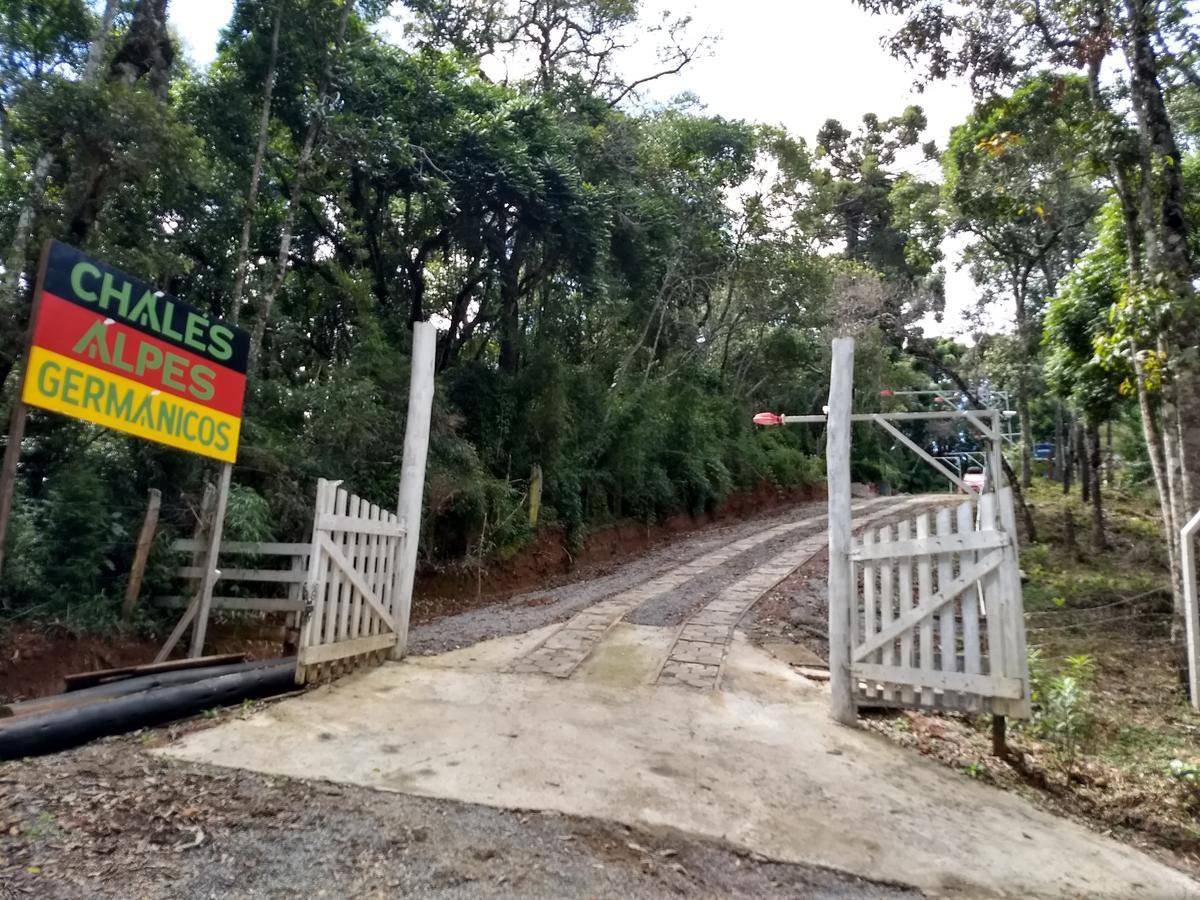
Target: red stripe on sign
(75,332)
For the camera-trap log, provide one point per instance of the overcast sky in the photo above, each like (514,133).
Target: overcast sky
(790,62)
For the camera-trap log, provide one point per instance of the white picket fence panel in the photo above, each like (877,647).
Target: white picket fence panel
(939,619)
(351,587)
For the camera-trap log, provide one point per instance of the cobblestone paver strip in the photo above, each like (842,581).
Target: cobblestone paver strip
(561,653)
(696,656)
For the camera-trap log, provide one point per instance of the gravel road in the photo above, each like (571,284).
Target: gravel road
(527,611)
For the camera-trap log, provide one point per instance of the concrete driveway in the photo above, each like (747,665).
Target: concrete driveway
(683,725)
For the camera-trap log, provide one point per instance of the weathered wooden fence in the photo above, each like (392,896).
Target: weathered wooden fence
(351,585)
(270,577)
(338,592)
(938,620)
(347,593)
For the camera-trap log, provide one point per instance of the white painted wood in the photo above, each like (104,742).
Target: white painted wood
(841,587)
(200,627)
(1014,618)
(248,548)
(904,602)
(241,604)
(870,618)
(925,596)
(997,452)
(951,587)
(887,599)
(360,615)
(310,633)
(352,578)
(951,543)
(276,576)
(346,522)
(412,476)
(969,603)
(992,686)
(948,591)
(1187,543)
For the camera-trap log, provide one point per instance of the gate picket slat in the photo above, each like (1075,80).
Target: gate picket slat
(362,613)
(1013,624)
(924,593)
(993,604)
(970,602)
(869,620)
(337,579)
(378,542)
(319,583)
(948,645)
(351,552)
(887,654)
(904,603)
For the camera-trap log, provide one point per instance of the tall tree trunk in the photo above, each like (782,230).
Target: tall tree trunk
(1066,454)
(1026,438)
(1169,271)
(1099,541)
(283,257)
(1023,344)
(99,43)
(145,54)
(510,305)
(1110,477)
(1058,444)
(264,128)
(1081,454)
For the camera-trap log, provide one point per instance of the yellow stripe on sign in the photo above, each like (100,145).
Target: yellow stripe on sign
(75,389)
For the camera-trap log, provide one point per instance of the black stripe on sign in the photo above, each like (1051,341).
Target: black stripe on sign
(107,291)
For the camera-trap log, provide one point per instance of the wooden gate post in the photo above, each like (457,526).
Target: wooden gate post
(412,477)
(842,590)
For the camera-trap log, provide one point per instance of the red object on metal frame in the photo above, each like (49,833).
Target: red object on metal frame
(768,418)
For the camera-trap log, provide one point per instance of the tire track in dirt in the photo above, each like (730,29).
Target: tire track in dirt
(536,609)
(561,653)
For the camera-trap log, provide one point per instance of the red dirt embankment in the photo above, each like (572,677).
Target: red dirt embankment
(545,561)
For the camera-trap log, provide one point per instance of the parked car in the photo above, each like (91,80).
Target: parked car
(974,478)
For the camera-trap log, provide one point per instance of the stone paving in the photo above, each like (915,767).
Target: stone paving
(562,653)
(699,650)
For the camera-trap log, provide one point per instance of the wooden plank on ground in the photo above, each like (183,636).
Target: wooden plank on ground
(325,653)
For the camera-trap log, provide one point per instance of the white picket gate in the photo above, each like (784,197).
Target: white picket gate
(352,585)
(938,620)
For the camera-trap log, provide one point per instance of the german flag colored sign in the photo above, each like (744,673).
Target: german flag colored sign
(110,349)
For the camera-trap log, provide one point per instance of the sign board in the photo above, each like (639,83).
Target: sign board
(110,349)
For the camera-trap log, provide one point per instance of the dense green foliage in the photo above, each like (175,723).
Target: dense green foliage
(617,289)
